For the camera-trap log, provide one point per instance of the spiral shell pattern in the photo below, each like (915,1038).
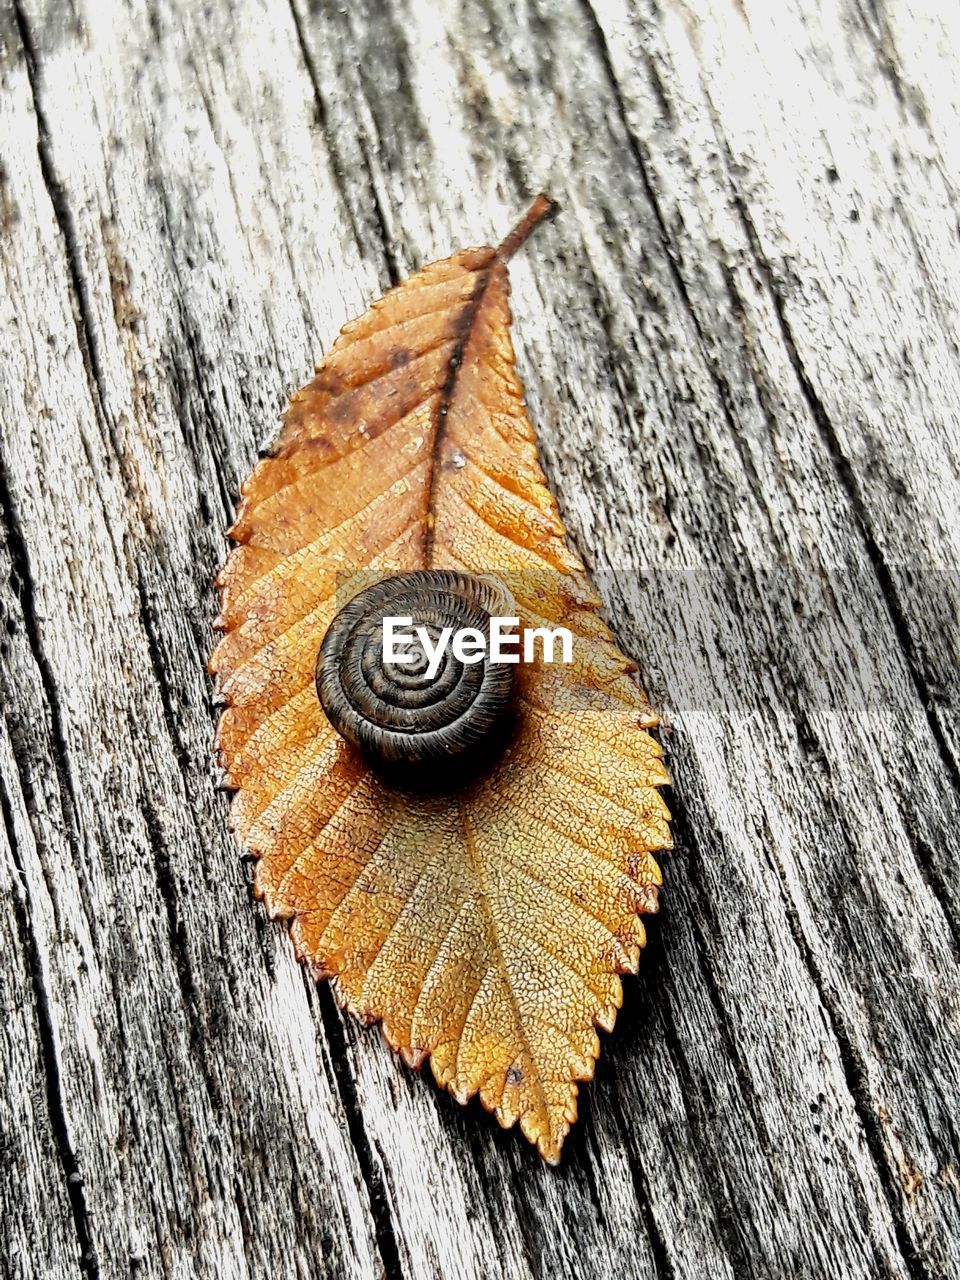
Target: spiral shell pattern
(395,712)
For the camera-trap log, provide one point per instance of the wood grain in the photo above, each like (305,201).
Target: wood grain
(740,346)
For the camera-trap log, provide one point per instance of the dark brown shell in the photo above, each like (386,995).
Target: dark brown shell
(397,714)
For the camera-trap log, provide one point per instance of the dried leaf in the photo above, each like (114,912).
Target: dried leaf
(486,926)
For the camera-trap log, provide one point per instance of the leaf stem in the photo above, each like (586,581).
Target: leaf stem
(542,209)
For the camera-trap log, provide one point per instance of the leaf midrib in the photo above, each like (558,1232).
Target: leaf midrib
(471,311)
(497,957)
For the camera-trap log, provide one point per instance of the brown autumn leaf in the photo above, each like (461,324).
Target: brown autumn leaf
(486,926)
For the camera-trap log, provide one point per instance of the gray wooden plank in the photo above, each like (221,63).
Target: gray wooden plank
(205,1115)
(706,441)
(718,375)
(41,1215)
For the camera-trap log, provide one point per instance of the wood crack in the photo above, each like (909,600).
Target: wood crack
(370,1168)
(81,309)
(89,1264)
(855,1074)
(337,166)
(896,614)
(720,385)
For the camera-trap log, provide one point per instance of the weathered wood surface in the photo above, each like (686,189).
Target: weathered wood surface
(741,349)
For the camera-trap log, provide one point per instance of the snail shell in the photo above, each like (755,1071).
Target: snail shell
(394,712)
